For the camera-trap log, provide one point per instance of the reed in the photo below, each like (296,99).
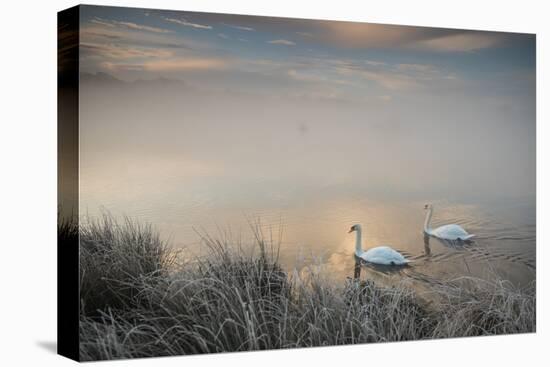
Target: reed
(136,301)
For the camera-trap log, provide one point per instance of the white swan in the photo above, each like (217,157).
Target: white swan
(382,255)
(451,232)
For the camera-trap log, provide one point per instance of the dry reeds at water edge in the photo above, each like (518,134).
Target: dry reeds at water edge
(135,301)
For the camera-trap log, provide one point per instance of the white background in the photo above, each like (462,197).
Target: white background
(28,201)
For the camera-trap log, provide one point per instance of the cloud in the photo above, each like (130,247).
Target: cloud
(389,80)
(111,66)
(94,32)
(102,22)
(141,27)
(170,65)
(121,52)
(374,63)
(130,25)
(239,27)
(355,73)
(366,35)
(187,24)
(313,78)
(425,68)
(396,77)
(186,64)
(282,42)
(224,36)
(464,42)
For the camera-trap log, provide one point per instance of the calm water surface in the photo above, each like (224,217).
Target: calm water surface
(312,171)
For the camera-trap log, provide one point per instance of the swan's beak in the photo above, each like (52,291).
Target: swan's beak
(350,230)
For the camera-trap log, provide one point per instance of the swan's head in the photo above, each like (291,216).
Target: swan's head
(355,227)
(428,206)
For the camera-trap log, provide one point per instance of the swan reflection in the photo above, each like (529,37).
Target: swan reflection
(427,249)
(457,245)
(376,269)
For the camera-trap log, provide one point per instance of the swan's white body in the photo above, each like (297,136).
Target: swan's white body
(450,232)
(382,255)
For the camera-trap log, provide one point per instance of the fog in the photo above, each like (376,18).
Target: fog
(153,137)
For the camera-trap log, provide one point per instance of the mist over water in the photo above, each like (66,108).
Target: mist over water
(187,158)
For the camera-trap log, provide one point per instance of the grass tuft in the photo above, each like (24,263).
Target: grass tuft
(114,258)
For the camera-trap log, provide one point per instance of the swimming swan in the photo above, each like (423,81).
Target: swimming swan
(451,232)
(382,255)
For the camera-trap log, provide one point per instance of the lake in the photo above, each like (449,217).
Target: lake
(190,160)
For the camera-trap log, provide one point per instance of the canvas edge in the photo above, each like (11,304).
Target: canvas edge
(68,299)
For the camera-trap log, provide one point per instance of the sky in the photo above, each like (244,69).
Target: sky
(306,58)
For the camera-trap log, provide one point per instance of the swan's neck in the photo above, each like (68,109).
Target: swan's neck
(358,247)
(427,221)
